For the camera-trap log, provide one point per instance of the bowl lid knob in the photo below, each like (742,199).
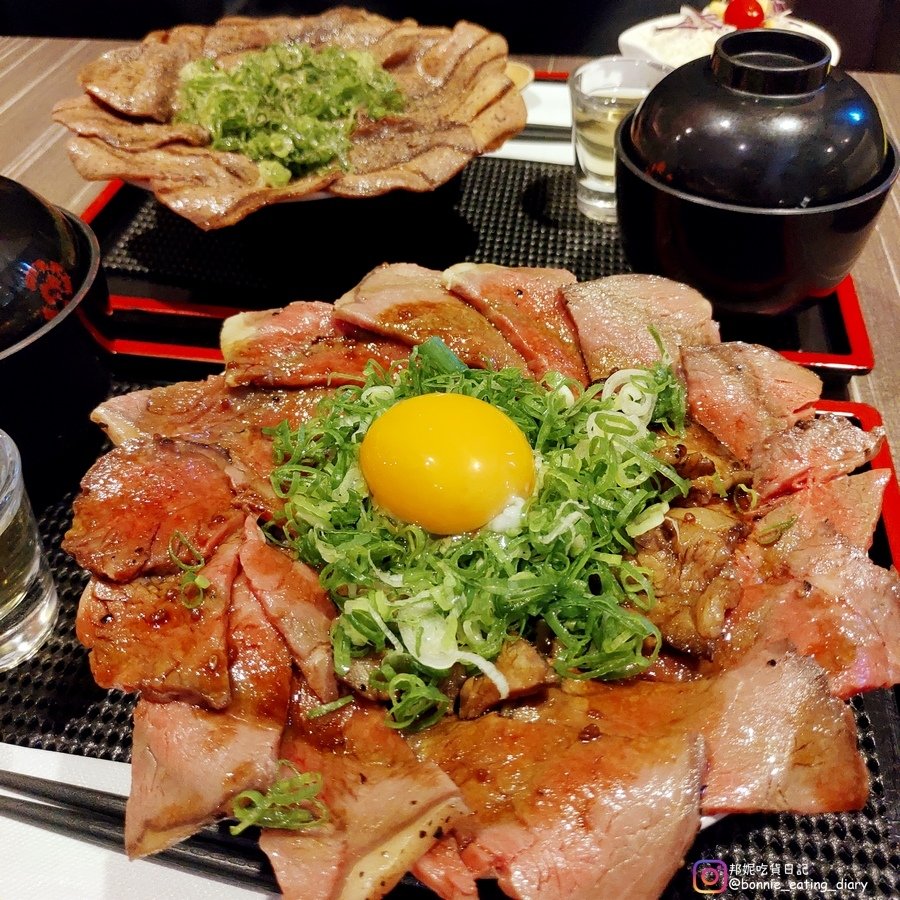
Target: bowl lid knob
(771,62)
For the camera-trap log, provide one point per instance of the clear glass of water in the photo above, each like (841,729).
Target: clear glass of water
(28,601)
(603,92)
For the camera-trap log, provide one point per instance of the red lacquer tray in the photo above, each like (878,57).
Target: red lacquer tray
(172,285)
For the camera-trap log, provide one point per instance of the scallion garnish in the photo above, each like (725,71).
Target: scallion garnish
(324,709)
(289,107)
(745,497)
(291,803)
(416,702)
(439,358)
(193,584)
(425,603)
(772,533)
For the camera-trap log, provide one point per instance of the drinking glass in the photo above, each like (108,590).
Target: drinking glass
(28,601)
(603,91)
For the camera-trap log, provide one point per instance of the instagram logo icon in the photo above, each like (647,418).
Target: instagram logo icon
(710,876)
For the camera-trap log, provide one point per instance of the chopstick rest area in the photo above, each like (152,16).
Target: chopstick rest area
(97,817)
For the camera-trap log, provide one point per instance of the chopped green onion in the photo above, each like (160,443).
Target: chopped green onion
(426,604)
(288,107)
(291,803)
(318,711)
(748,499)
(415,705)
(652,517)
(439,357)
(193,584)
(772,533)
(719,485)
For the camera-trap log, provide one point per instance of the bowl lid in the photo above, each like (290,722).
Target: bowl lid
(39,262)
(765,121)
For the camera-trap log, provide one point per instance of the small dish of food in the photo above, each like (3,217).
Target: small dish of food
(219,121)
(678,38)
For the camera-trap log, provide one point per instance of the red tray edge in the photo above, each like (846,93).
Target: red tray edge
(870,418)
(859,360)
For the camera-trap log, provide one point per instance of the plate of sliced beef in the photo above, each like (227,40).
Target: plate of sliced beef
(771,611)
(457,103)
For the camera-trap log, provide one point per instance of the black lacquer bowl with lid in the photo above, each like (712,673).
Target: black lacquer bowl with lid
(755,175)
(52,372)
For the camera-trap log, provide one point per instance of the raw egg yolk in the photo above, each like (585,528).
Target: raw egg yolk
(447,462)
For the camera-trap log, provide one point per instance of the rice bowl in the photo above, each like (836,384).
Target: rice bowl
(661,40)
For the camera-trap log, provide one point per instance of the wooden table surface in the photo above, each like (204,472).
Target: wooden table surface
(36,72)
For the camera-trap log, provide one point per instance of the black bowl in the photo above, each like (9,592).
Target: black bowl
(742,258)
(54,376)
(39,260)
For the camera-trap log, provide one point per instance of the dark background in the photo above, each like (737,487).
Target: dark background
(867,30)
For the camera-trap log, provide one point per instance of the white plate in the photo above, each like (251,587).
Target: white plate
(643,40)
(547,103)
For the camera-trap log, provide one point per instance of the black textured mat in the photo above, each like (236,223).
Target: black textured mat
(504,211)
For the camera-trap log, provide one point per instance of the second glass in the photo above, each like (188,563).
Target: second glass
(603,91)
(28,601)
